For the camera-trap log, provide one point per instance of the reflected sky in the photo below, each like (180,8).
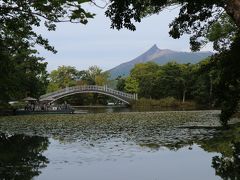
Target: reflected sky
(134,164)
(112,160)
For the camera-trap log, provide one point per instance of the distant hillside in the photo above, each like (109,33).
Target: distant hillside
(160,56)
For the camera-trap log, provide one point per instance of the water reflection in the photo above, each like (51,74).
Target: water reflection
(21,156)
(228,166)
(227,143)
(129,146)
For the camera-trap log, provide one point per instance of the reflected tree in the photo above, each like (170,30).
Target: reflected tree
(21,156)
(228,168)
(227,143)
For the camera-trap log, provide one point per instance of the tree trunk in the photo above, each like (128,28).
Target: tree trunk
(233,10)
(210,90)
(184,96)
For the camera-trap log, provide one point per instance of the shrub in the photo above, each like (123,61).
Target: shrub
(166,102)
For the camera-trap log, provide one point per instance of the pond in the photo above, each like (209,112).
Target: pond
(114,109)
(130,146)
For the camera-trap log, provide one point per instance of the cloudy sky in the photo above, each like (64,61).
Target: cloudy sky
(97,44)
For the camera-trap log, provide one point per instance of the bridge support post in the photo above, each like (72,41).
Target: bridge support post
(105,87)
(135,96)
(67,89)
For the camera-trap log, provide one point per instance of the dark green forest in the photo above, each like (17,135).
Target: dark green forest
(183,82)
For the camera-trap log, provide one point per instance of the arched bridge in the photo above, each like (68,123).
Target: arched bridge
(122,96)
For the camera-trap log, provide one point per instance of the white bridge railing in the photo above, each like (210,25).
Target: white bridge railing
(89,88)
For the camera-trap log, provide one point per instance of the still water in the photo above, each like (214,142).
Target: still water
(72,162)
(114,109)
(118,146)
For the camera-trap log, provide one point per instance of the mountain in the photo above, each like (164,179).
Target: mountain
(160,56)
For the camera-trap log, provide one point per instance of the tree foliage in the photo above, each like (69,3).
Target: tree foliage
(222,33)
(64,76)
(22,74)
(131,85)
(95,76)
(27,14)
(151,80)
(67,76)
(121,81)
(195,17)
(228,88)
(144,74)
(216,21)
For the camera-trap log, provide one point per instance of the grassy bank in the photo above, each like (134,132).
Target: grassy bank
(166,102)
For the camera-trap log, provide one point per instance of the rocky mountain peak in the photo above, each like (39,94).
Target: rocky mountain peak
(160,56)
(153,49)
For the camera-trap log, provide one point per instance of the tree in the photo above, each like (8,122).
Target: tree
(22,72)
(228,88)
(18,70)
(204,20)
(161,81)
(131,85)
(173,81)
(186,79)
(145,75)
(201,88)
(26,14)
(64,76)
(95,76)
(121,83)
(222,33)
(67,76)
(195,17)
